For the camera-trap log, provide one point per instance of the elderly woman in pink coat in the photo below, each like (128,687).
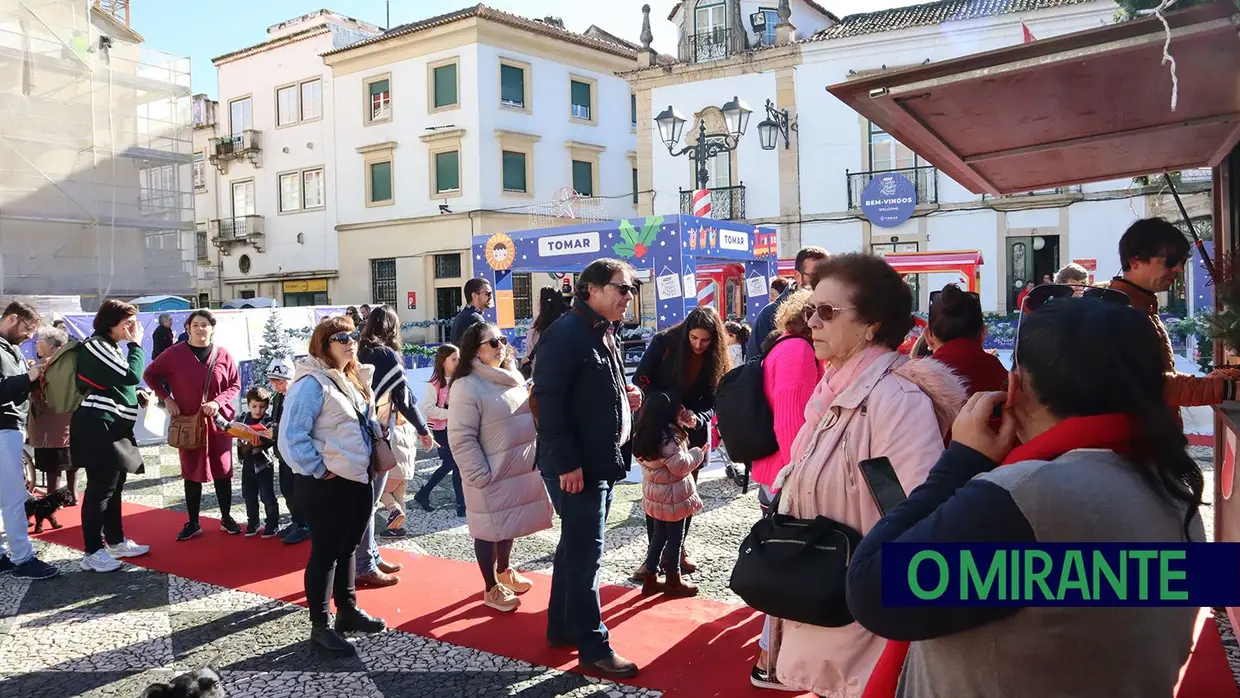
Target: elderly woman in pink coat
(872,402)
(179,377)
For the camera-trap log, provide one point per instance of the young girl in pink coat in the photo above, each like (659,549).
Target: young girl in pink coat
(669,495)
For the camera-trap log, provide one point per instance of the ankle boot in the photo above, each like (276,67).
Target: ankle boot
(651,584)
(330,641)
(355,620)
(676,586)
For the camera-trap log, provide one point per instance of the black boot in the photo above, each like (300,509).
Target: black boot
(331,641)
(423,499)
(355,620)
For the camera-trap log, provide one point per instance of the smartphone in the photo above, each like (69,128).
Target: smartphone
(884,485)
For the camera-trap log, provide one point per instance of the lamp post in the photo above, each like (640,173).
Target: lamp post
(774,125)
(671,124)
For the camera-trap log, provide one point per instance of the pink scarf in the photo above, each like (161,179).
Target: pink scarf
(833,383)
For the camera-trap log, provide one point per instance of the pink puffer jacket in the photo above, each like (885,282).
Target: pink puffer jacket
(668,491)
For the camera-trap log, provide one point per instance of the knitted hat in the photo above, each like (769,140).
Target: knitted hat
(281,367)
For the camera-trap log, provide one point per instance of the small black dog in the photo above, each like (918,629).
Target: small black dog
(203,683)
(44,508)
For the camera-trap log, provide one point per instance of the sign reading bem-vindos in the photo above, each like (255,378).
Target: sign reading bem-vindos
(888,199)
(1061,574)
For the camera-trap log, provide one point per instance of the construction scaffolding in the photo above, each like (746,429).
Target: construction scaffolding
(96,188)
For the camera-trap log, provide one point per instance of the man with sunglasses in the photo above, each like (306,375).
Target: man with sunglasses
(478,297)
(806,259)
(583,405)
(1152,254)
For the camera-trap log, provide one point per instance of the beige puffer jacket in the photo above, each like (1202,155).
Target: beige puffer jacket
(491,433)
(668,490)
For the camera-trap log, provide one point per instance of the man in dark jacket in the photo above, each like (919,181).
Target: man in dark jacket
(17,325)
(584,407)
(161,338)
(764,325)
(478,297)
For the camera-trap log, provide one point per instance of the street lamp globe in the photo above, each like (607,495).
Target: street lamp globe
(736,115)
(670,122)
(768,131)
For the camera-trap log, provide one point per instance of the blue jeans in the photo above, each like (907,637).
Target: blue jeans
(575,614)
(667,540)
(368,551)
(13,496)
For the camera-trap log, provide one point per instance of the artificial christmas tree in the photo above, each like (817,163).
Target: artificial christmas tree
(276,344)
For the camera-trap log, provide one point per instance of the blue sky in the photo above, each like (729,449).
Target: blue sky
(203,30)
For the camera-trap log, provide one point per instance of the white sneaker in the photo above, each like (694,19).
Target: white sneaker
(99,561)
(128,548)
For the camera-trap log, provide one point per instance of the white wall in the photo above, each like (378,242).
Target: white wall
(971,230)
(844,236)
(1096,227)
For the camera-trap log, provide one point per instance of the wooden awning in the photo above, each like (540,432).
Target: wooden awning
(1083,107)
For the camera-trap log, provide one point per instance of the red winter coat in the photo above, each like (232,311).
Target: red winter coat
(981,371)
(184,375)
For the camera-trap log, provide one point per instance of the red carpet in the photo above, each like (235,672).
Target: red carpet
(686,647)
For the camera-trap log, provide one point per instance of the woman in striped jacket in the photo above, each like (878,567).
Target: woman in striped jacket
(101,432)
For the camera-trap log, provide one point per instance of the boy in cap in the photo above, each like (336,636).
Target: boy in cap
(280,375)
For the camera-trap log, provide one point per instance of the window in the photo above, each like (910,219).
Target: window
(583,177)
(312,188)
(286,105)
(768,33)
(718,169)
(447,171)
(447,266)
(514,171)
(710,17)
(580,95)
(523,296)
(444,86)
(290,192)
(380,174)
(886,153)
(241,115)
(311,99)
(512,86)
(243,198)
(379,100)
(200,172)
(200,242)
(633,109)
(383,282)
(634,185)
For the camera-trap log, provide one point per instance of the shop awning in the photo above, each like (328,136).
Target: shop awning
(1083,107)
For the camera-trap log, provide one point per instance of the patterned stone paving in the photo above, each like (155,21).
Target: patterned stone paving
(111,635)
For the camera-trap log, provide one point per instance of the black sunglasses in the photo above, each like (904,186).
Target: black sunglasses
(825,312)
(624,289)
(497,342)
(1042,295)
(343,337)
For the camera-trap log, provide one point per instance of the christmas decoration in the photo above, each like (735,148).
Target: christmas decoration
(637,242)
(500,251)
(276,344)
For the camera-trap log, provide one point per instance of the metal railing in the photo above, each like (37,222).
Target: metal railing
(726,203)
(925,181)
(238,228)
(244,143)
(706,46)
(1053,191)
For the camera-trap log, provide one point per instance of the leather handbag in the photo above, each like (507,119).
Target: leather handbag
(188,432)
(401,436)
(382,458)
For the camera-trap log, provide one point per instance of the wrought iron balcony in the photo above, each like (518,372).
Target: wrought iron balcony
(726,203)
(1053,191)
(247,145)
(710,45)
(925,182)
(226,232)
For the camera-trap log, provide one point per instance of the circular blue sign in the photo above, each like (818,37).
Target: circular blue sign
(888,199)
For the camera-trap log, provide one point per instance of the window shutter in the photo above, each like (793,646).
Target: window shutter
(447,171)
(512,85)
(514,171)
(378,87)
(583,178)
(581,94)
(445,85)
(380,181)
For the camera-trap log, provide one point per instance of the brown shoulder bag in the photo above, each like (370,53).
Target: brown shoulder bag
(188,432)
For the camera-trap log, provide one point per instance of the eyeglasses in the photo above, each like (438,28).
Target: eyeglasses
(497,342)
(1172,260)
(825,312)
(624,289)
(1042,295)
(343,338)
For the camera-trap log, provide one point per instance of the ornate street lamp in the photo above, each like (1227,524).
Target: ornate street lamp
(671,124)
(774,125)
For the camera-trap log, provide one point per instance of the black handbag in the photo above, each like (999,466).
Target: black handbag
(796,569)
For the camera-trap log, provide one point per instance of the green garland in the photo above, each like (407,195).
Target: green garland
(1131,9)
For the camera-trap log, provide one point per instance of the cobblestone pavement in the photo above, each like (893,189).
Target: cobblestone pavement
(111,635)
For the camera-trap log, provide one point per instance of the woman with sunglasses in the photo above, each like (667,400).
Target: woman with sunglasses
(1100,458)
(491,433)
(327,434)
(956,333)
(871,402)
(687,360)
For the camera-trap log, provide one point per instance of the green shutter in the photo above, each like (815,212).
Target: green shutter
(633,108)
(378,87)
(512,85)
(514,171)
(447,171)
(634,185)
(583,178)
(445,85)
(581,99)
(380,181)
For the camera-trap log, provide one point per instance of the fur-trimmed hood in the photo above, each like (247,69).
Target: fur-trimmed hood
(945,389)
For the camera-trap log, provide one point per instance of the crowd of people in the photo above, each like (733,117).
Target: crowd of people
(1077,441)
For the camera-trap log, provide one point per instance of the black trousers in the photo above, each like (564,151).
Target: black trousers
(288,488)
(336,511)
(256,485)
(101,507)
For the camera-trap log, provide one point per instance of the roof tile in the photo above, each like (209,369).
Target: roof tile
(930,14)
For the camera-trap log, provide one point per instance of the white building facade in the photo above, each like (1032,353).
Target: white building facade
(471,123)
(811,186)
(272,214)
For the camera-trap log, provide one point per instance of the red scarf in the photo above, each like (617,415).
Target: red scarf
(1113,432)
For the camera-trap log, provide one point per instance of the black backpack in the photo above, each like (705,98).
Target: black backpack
(745,420)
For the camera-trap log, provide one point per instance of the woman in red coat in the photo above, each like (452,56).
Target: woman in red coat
(178,377)
(956,333)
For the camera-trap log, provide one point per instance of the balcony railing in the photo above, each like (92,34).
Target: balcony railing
(925,182)
(710,45)
(237,230)
(1053,191)
(726,203)
(247,145)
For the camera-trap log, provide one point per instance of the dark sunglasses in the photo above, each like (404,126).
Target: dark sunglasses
(1172,260)
(497,342)
(624,289)
(825,312)
(343,337)
(1042,295)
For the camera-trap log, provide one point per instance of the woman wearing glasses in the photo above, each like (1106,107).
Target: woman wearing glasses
(326,434)
(491,434)
(872,402)
(956,333)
